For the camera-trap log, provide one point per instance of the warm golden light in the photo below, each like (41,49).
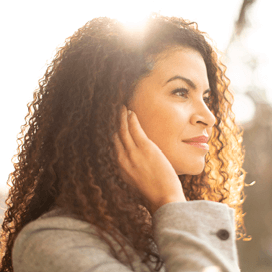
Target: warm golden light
(133,19)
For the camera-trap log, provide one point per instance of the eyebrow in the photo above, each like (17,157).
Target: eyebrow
(188,81)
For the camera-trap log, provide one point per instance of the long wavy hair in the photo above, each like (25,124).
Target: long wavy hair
(65,156)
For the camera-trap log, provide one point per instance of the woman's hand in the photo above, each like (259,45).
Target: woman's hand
(142,164)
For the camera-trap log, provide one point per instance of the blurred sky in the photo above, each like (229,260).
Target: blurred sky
(32,30)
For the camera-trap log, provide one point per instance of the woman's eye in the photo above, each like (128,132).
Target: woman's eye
(181,92)
(184,93)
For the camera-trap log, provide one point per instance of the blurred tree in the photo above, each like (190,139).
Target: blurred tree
(242,21)
(256,255)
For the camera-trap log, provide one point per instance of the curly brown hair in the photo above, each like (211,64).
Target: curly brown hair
(66,155)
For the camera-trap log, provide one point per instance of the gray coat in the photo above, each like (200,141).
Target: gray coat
(190,236)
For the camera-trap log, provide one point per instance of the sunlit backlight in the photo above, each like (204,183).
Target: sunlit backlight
(244,108)
(133,18)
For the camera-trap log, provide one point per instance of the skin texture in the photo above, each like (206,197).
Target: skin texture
(166,118)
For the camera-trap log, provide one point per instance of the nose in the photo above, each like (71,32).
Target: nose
(202,115)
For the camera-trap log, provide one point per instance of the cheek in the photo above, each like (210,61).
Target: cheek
(163,124)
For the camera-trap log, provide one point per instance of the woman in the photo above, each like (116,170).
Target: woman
(114,171)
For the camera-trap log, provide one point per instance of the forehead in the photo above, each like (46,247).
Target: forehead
(183,62)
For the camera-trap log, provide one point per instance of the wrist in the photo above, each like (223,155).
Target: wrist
(154,208)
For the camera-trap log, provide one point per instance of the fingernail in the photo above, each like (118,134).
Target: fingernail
(129,112)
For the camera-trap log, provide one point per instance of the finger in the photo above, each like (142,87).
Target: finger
(122,158)
(119,147)
(136,131)
(124,133)
(118,144)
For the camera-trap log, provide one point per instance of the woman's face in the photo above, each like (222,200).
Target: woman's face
(171,105)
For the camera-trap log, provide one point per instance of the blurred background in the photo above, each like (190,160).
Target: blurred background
(32,30)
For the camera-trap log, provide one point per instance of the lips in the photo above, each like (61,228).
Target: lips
(199,145)
(199,142)
(199,139)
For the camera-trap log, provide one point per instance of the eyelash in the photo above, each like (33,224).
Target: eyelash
(186,91)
